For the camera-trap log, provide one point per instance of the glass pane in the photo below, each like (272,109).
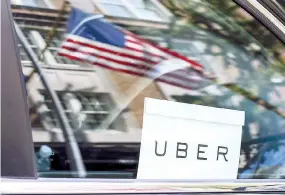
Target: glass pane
(137,3)
(29,3)
(32,3)
(41,3)
(28,36)
(146,10)
(111,1)
(103,102)
(15,2)
(116,10)
(148,14)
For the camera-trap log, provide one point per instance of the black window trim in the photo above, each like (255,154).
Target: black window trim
(250,7)
(273,7)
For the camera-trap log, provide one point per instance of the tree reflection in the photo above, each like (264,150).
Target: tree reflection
(250,58)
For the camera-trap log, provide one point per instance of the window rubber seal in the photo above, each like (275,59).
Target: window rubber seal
(274,9)
(257,14)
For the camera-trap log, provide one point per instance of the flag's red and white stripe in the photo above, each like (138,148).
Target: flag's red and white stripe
(138,57)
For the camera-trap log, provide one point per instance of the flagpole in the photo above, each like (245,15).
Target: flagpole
(73,151)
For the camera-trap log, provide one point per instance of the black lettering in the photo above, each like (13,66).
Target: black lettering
(222,153)
(199,152)
(164,151)
(180,150)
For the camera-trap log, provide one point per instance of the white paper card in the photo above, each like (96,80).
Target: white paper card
(185,141)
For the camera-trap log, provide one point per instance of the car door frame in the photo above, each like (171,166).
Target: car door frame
(17,156)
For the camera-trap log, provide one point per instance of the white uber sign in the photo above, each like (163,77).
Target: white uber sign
(184,141)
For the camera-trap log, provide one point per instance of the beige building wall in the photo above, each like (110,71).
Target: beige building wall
(57,3)
(125,82)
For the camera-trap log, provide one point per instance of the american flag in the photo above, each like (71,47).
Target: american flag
(93,40)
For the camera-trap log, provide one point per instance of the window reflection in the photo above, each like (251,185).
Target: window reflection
(246,60)
(116,10)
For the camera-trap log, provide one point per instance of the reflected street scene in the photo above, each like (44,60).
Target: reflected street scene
(96,61)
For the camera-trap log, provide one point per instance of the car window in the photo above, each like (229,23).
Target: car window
(237,64)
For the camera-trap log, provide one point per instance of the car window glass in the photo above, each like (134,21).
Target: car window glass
(243,69)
